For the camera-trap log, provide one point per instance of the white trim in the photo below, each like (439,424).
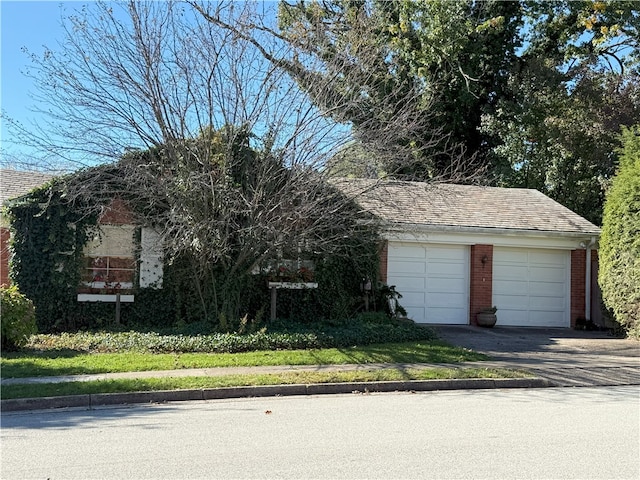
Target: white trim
(106,298)
(495,239)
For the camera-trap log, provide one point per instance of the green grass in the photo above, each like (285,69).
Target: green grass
(35,363)
(176,383)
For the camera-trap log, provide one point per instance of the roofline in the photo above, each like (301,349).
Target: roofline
(417,227)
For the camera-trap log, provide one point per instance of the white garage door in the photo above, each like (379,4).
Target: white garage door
(531,287)
(432,279)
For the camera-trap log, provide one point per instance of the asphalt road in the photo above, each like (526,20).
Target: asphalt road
(577,433)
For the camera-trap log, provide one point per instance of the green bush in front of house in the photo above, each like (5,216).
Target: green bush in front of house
(17,316)
(359,331)
(619,255)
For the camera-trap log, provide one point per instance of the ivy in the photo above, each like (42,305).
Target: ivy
(49,232)
(51,226)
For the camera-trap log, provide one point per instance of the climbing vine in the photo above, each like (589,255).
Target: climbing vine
(52,225)
(49,232)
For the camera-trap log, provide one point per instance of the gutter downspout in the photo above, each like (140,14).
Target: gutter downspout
(587,280)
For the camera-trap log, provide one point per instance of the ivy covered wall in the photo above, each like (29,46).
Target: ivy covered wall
(50,229)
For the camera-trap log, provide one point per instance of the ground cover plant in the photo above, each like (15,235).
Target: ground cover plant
(278,336)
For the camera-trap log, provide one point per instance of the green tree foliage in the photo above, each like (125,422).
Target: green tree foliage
(17,316)
(562,141)
(443,62)
(535,93)
(620,241)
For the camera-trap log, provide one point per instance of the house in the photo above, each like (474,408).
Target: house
(452,250)
(14,183)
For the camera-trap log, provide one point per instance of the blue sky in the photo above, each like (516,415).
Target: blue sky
(31,25)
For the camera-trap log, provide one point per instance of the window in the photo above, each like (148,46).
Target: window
(110,259)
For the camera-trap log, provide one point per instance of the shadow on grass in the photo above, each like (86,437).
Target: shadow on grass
(24,363)
(434,351)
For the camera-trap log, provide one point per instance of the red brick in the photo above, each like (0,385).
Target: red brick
(117,213)
(481,280)
(578,272)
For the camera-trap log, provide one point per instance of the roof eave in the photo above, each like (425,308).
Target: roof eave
(422,228)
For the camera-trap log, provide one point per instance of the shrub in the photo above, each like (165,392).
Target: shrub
(18,318)
(619,255)
(282,336)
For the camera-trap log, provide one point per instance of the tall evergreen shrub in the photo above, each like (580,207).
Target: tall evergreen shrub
(619,273)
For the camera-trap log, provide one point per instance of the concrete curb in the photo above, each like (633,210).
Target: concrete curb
(104,399)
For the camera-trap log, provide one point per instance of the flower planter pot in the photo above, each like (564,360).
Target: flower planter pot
(486,320)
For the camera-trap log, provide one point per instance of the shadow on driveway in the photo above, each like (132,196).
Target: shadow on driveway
(520,342)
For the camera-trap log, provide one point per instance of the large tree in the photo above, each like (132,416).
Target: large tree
(570,91)
(534,93)
(215,146)
(375,66)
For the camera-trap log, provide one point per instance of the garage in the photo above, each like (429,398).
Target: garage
(432,279)
(531,287)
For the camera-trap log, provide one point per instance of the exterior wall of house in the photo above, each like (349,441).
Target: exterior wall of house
(481,280)
(384,261)
(116,214)
(4,256)
(578,282)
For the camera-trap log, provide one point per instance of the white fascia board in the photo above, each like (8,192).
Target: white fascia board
(496,237)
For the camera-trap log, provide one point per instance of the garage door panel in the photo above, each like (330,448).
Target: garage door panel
(432,279)
(513,255)
(407,251)
(447,253)
(512,302)
(413,298)
(446,315)
(548,289)
(409,284)
(510,272)
(445,285)
(549,274)
(551,304)
(510,287)
(454,270)
(531,286)
(407,267)
(541,257)
(512,317)
(446,299)
(549,319)
(416,313)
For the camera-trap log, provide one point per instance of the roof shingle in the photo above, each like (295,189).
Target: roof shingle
(14,183)
(405,204)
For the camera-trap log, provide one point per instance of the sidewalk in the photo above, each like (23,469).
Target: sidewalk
(554,358)
(96,400)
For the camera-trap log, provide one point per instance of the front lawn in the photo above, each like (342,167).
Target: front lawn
(48,362)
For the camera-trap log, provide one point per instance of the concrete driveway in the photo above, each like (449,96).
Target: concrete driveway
(565,357)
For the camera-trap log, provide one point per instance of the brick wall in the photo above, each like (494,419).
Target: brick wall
(578,271)
(481,280)
(117,213)
(384,259)
(4,256)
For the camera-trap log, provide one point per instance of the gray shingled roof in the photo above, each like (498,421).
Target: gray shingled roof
(14,183)
(442,206)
